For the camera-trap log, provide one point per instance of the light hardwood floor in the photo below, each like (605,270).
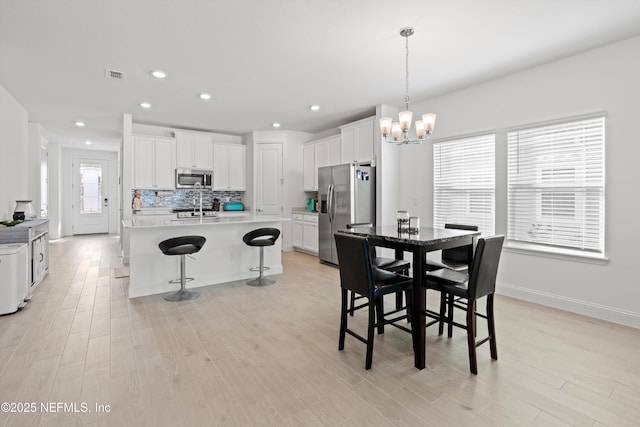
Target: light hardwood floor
(244,356)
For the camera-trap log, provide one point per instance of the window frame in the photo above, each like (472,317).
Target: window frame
(579,192)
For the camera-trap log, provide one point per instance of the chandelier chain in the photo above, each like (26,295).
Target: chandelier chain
(406,90)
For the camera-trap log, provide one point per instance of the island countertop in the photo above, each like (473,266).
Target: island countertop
(223,258)
(159,221)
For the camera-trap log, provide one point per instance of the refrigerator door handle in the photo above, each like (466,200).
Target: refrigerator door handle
(330,202)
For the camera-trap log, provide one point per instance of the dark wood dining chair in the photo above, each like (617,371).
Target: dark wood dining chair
(462,290)
(457,259)
(357,274)
(389,264)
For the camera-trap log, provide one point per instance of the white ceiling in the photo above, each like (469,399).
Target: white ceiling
(268,60)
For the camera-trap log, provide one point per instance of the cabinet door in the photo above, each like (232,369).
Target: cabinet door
(334,151)
(165,164)
(202,152)
(310,237)
(297,233)
(143,162)
(237,167)
(349,145)
(184,150)
(365,141)
(220,167)
(309,168)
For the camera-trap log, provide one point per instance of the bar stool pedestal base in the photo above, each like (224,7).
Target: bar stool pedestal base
(182,295)
(261,281)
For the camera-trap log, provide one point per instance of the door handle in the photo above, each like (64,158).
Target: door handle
(106,202)
(330,201)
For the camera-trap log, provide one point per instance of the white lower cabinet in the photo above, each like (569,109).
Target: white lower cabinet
(305,232)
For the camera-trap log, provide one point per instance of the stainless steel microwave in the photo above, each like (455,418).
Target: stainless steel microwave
(187,178)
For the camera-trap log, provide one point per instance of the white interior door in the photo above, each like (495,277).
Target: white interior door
(269,179)
(90,196)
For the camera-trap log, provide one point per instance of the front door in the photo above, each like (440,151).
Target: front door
(90,196)
(269,179)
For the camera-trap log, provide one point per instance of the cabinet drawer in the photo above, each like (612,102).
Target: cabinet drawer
(311,218)
(297,217)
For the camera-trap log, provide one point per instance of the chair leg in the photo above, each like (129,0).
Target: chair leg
(450,301)
(471,339)
(370,334)
(443,305)
(353,303)
(409,298)
(343,320)
(379,303)
(492,328)
(398,300)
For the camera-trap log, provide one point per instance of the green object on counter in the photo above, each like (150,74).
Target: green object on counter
(10,223)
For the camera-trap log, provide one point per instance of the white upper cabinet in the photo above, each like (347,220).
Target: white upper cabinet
(193,150)
(229,167)
(317,154)
(309,168)
(357,141)
(153,162)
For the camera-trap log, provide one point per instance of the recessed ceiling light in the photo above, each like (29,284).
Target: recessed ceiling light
(205,96)
(80,124)
(314,107)
(276,125)
(145,105)
(88,142)
(158,74)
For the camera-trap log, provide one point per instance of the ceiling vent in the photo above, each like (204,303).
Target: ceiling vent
(113,74)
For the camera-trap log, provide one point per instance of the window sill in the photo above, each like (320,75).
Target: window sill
(555,253)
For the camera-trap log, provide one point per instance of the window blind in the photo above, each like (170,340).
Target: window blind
(464,182)
(556,185)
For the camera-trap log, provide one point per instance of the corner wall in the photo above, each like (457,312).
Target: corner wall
(14,146)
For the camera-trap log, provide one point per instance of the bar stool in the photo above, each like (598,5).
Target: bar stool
(185,245)
(261,237)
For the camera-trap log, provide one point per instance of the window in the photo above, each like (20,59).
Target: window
(90,188)
(556,185)
(464,182)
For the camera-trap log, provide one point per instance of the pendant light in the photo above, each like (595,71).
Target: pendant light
(399,131)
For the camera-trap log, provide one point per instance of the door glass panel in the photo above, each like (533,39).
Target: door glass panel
(90,188)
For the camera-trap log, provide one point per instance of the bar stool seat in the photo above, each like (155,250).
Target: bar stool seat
(182,246)
(261,237)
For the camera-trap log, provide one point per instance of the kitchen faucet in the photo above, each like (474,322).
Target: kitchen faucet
(199,186)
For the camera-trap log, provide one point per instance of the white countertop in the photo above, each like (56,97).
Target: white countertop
(157,221)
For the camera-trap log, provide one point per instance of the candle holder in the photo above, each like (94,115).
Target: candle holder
(403,221)
(414,225)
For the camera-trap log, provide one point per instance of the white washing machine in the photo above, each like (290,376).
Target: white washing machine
(14,276)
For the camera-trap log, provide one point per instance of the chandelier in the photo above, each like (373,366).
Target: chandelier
(399,131)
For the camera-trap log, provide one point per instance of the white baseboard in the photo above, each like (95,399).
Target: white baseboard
(598,311)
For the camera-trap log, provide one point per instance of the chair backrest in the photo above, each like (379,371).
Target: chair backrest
(372,249)
(484,267)
(460,254)
(356,272)
(266,236)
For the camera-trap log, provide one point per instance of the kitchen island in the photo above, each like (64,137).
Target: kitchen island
(223,258)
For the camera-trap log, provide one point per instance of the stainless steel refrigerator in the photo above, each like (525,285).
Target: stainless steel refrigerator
(347,195)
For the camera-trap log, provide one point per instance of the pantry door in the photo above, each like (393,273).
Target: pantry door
(269,178)
(90,196)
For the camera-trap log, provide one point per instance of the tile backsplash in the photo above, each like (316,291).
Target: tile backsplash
(181,199)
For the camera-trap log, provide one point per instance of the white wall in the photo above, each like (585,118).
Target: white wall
(602,80)
(55,190)
(14,163)
(66,189)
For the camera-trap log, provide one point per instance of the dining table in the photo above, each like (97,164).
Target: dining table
(418,242)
